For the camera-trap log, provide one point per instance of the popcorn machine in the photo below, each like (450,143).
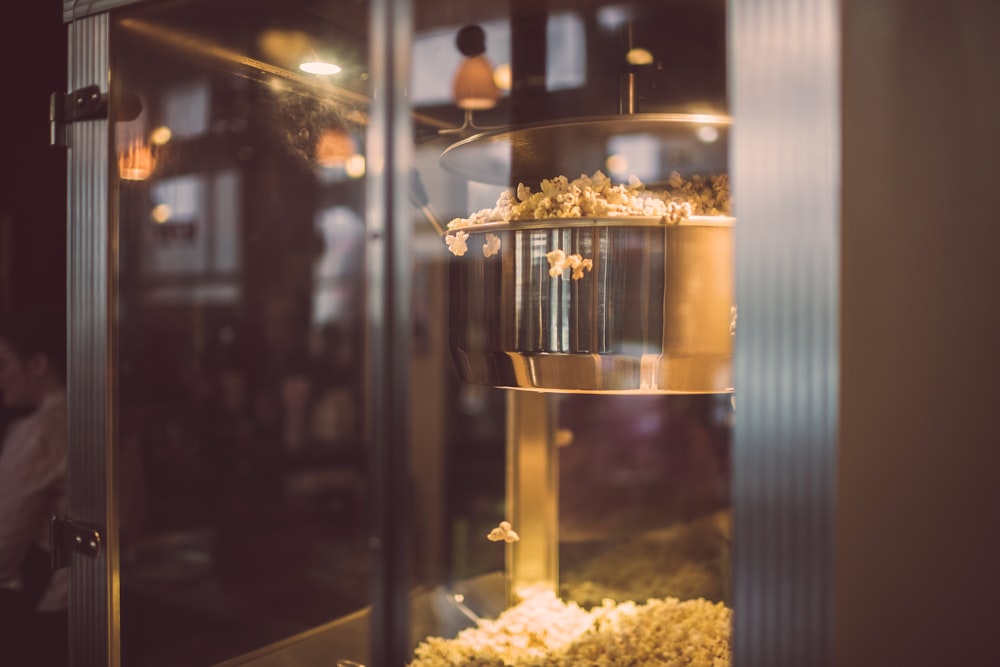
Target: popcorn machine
(378,354)
(423,350)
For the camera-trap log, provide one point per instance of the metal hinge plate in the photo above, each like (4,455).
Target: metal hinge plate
(87,103)
(68,536)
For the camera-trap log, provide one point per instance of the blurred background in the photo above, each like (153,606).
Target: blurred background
(32,186)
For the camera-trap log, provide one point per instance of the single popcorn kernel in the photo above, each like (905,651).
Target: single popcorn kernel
(579,264)
(557,262)
(503,533)
(492,245)
(457,243)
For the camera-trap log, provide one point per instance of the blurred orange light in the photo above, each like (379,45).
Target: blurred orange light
(160,135)
(160,213)
(334,148)
(136,161)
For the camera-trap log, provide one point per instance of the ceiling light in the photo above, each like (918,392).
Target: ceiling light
(473,86)
(319,68)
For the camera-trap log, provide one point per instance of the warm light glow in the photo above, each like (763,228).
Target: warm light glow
(698,117)
(503,77)
(135,162)
(160,135)
(459,598)
(334,148)
(284,46)
(639,56)
(319,68)
(473,86)
(160,213)
(708,133)
(354,167)
(616,163)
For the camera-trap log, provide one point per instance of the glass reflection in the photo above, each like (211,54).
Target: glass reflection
(240,330)
(242,463)
(644,498)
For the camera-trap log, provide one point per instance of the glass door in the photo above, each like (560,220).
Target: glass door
(242,454)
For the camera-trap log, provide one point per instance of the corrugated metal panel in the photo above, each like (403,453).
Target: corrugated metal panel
(784,87)
(93,600)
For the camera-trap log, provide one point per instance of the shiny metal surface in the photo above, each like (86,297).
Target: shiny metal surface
(786,84)
(539,149)
(94,605)
(653,316)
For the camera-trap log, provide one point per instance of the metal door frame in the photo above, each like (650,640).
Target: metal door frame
(92,256)
(94,612)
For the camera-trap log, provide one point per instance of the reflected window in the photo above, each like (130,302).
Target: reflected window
(566,56)
(634,154)
(192,229)
(336,272)
(435,53)
(185,108)
(436,59)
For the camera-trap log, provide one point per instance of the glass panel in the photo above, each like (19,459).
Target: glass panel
(644,498)
(241,202)
(588,403)
(569,389)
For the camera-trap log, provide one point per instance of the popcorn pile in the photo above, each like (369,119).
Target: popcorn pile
(596,197)
(685,560)
(543,631)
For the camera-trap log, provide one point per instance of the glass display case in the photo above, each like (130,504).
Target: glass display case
(404,332)
(422,320)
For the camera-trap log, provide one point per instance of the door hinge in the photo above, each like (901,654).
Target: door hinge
(87,103)
(67,536)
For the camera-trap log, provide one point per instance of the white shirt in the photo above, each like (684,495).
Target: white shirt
(32,489)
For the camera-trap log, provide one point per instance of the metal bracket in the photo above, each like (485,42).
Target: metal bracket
(67,536)
(87,103)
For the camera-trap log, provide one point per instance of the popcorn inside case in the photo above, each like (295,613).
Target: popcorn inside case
(596,292)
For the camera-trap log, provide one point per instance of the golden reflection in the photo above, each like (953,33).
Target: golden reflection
(161,135)
(160,213)
(136,161)
(355,166)
(334,148)
(639,56)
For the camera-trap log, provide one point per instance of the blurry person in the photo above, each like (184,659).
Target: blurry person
(33,598)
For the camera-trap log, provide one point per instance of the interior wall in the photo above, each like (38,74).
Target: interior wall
(32,173)
(917,576)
